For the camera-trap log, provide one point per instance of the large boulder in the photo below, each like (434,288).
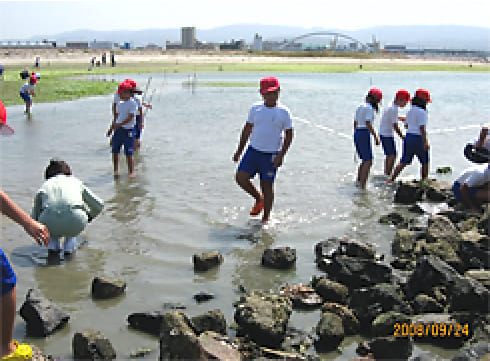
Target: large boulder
(349,320)
(330,332)
(218,347)
(178,339)
(331,291)
(213,320)
(104,287)
(440,228)
(280,258)
(403,244)
(263,317)
(150,322)
(206,261)
(383,324)
(439,329)
(42,316)
(409,192)
(92,345)
(473,352)
(391,348)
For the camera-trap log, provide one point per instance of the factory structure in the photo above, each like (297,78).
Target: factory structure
(318,41)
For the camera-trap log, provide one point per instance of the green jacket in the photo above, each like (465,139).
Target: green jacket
(65,205)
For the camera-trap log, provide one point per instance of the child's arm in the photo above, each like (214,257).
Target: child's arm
(148,105)
(397,130)
(483,136)
(372,131)
(140,110)
(288,138)
(94,203)
(246,131)
(115,126)
(36,230)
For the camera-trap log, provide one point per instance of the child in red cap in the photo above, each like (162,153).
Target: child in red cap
(388,124)
(270,129)
(415,141)
(363,129)
(26,91)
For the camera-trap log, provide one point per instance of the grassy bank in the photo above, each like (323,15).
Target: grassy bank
(65,81)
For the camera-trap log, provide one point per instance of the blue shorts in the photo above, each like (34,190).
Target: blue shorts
(7,274)
(457,191)
(124,137)
(414,145)
(137,130)
(362,140)
(388,144)
(25,96)
(255,161)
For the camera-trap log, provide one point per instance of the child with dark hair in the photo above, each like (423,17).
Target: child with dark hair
(65,205)
(363,129)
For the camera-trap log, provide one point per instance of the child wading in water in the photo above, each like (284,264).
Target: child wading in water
(415,141)
(389,122)
(27,90)
(363,129)
(123,127)
(270,129)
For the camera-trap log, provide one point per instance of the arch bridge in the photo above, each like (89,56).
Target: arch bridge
(360,44)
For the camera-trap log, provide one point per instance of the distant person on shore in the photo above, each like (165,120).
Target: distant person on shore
(363,129)
(113,59)
(270,130)
(27,90)
(472,187)
(104,59)
(387,126)
(123,127)
(65,205)
(37,63)
(1,71)
(10,349)
(415,142)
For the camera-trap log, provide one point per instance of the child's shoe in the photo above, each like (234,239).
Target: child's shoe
(257,208)
(23,352)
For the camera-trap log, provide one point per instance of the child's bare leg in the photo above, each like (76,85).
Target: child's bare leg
(267,188)
(243,180)
(424,171)
(130,161)
(7,313)
(115,161)
(398,170)
(363,173)
(389,164)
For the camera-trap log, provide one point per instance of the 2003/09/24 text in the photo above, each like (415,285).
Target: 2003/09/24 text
(440,330)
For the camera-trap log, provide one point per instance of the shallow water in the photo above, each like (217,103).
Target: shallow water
(184,199)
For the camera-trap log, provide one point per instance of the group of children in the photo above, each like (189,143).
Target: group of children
(415,141)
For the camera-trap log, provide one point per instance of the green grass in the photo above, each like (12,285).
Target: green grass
(65,81)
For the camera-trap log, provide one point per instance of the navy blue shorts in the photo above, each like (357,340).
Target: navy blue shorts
(25,96)
(362,140)
(255,161)
(457,191)
(388,144)
(413,144)
(124,137)
(7,274)
(137,130)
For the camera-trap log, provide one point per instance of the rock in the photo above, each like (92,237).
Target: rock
(349,320)
(150,322)
(357,272)
(395,219)
(301,296)
(473,352)
(271,354)
(383,324)
(263,318)
(203,297)
(92,345)
(426,304)
(408,192)
(474,251)
(218,347)
(299,341)
(467,294)
(178,340)
(280,258)
(330,332)
(437,191)
(404,243)
(443,250)
(391,348)
(103,287)
(356,249)
(42,316)
(435,324)
(332,291)
(388,295)
(482,276)
(206,261)
(213,320)
(440,228)
(327,248)
(426,356)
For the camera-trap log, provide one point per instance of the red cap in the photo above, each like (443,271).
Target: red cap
(5,129)
(124,86)
(423,94)
(402,95)
(269,84)
(376,93)
(33,79)
(130,81)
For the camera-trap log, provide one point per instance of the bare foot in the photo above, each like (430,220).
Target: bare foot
(132,175)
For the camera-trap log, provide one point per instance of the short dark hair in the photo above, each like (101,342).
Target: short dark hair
(56,167)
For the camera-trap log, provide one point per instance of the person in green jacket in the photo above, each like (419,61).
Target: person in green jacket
(65,205)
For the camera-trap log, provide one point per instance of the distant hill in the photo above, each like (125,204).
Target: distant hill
(413,36)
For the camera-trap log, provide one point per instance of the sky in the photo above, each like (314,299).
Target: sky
(24,19)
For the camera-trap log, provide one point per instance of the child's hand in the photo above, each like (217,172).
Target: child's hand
(109,132)
(38,231)
(278,160)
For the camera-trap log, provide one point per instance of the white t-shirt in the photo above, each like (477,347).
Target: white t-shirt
(389,117)
(116,98)
(364,113)
(138,98)
(416,117)
(475,176)
(27,88)
(123,109)
(268,126)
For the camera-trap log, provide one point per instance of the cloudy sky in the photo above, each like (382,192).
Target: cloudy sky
(23,19)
